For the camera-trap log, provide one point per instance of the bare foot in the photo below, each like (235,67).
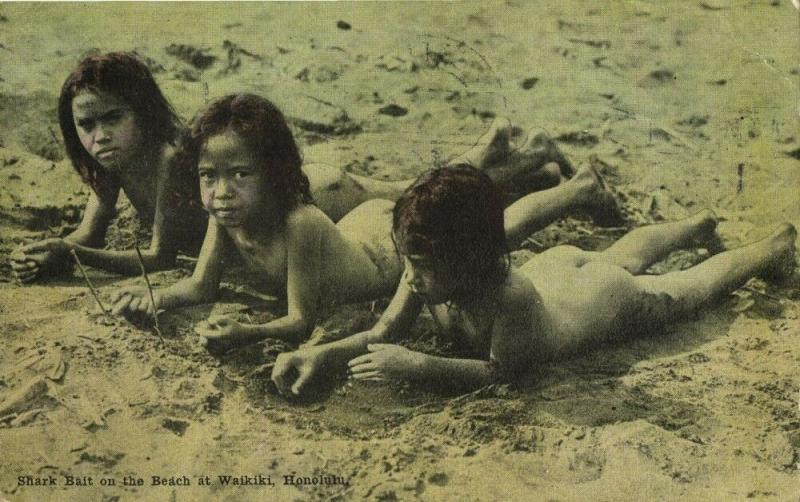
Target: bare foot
(704,231)
(537,164)
(546,177)
(540,146)
(492,147)
(782,256)
(599,202)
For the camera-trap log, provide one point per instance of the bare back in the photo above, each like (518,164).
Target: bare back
(353,265)
(511,326)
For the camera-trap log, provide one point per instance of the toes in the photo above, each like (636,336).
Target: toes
(548,176)
(501,124)
(603,206)
(538,140)
(542,142)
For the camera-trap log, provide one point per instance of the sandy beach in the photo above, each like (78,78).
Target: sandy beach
(680,105)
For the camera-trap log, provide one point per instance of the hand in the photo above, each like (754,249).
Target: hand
(293,370)
(40,258)
(24,269)
(134,302)
(219,327)
(222,334)
(386,360)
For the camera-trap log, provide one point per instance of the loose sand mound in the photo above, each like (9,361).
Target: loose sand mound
(680,105)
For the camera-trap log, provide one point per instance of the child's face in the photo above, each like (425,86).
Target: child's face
(107,128)
(423,278)
(231,184)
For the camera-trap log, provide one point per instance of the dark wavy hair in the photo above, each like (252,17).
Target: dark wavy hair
(127,78)
(265,130)
(454,215)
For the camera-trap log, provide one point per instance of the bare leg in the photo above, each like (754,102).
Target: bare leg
(539,149)
(590,299)
(708,282)
(517,171)
(647,245)
(584,192)
(493,146)
(337,192)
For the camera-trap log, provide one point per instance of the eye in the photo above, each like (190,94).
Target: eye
(114,117)
(207,175)
(421,264)
(242,174)
(86,124)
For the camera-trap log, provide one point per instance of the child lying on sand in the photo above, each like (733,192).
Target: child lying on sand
(448,227)
(120,133)
(259,203)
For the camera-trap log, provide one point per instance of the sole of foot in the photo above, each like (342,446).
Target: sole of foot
(602,206)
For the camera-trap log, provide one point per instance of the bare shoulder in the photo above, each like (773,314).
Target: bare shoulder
(165,164)
(306,223)
(517,324)
(168,152)
(306,216)
(518,295)
(166,155)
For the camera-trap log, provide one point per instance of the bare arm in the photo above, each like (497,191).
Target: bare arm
(394,361)
(163,247)
(126,262)
(86,239)
(394,323)
(511,347)
(96,217)
(201,287)
(304,256)
(50,256)
(450,372)
(304,239)
(396,320)
(303,284)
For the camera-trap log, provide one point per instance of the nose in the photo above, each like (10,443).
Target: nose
(102,134)
(222,190)
(411,277)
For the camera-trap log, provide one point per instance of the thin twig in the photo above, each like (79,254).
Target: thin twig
(762,293)
(150,291)
(86,277)
(95,340)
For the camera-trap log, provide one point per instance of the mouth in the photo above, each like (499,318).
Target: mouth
(106,153)
(418,291)
(431,297)
(226,212)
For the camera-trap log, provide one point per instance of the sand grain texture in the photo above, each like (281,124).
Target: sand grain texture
(681,105)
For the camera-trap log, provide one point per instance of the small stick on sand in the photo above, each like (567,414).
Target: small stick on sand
(150,291)
(762,293)
(86,278)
